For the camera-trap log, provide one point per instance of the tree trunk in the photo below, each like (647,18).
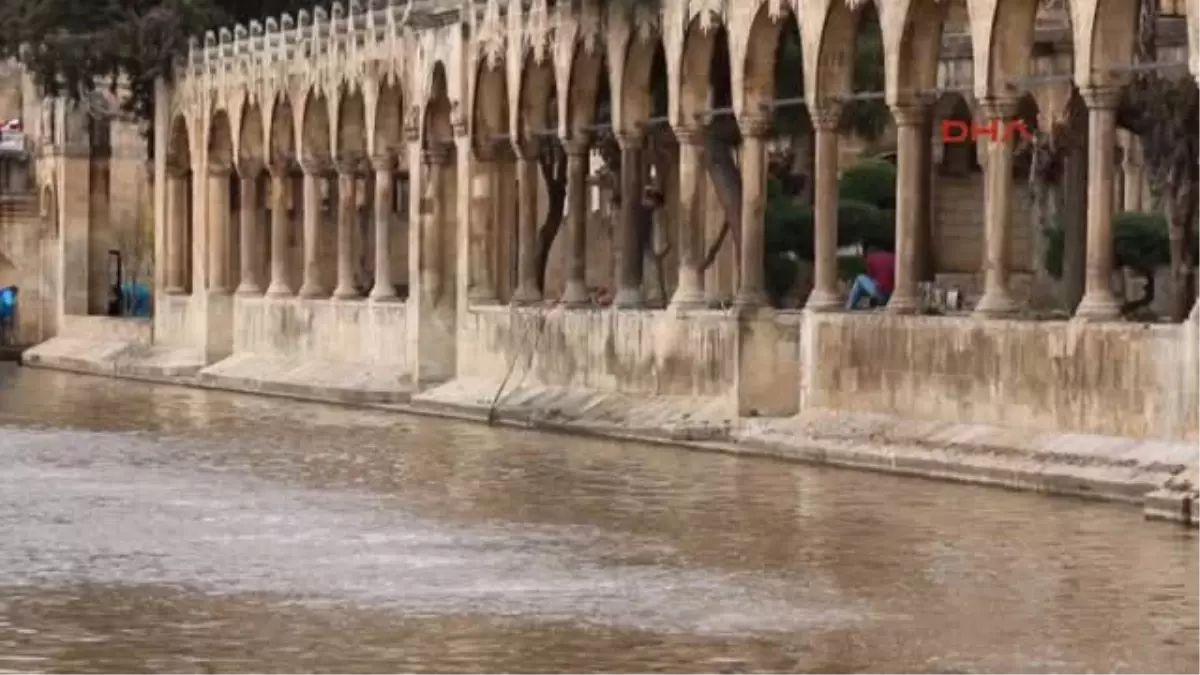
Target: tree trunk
(1180,216)
(1148,293)
(554,171)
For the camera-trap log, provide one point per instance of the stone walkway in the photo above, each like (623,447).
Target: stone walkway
(1159,475)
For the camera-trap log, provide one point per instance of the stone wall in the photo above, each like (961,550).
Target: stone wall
(107,329)
(648,353)
(1117,379)
(321,330)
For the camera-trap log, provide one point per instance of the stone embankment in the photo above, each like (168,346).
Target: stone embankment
(1158,475)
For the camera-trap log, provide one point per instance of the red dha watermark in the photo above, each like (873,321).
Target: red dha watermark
(958,131)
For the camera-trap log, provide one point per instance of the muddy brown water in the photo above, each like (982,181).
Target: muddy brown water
(152,528)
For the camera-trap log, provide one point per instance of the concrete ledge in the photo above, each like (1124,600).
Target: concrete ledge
(675,418)
(305,378)
(1103,467)
(114,358)
(1159,476)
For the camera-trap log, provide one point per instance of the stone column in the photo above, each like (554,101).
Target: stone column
(923,254)
(751,290)
(218,229)
(249,232)
(503,209)
(689,291)
(909,116)
(1098,302)
(997,225)
(281,173)
(527,225)
(481,287)
(314,172)
(626,242)
(177,244)
(383,289)
(348,169)
(435,157)
(825,296)
(578,149)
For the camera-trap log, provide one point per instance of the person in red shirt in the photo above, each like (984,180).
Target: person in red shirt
(879,280)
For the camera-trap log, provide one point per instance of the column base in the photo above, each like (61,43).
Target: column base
(903,304)
(575,294)
(485,296)
(750,299)
(1100,306)
(311,292)
(248,288)
(686,298)
(278,290)
(175,290)
(526,295)
(628,298)
(383,294)
(996,304)
(344,293)
(820,300)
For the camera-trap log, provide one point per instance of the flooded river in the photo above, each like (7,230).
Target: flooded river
(147,528)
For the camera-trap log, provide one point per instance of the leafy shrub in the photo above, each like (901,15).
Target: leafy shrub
(789,227)
(863,223)
(872,181)
(1140,242)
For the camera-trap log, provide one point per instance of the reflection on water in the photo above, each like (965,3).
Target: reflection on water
(148,528)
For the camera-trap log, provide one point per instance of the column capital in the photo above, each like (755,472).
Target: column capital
(999,107)
(249,168)
(383,162)
(825,115)
(754,126)
(177,169)
(910,112)
(1100,97)
(314,166)
(351,164)
(631,138)
(281,168)
(437,153)
(690,134)
(488,151)
(579,144)
(527,148)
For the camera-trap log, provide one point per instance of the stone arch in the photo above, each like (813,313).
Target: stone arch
(252,142)
(1109,42)
(315,132)
(833,74)
(282,146)
(389,118)
(436,126)
(587,81)
(913,67)
(699,91)
(220,140)
(490,121)
(351,123)
(180,223)
(537,111)
(1002,54)
(179,155)
(645,57)
(762,48)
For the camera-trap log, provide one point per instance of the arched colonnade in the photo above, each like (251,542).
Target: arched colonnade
(343,102)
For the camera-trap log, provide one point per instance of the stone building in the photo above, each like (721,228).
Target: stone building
(77,190)
(347,200)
